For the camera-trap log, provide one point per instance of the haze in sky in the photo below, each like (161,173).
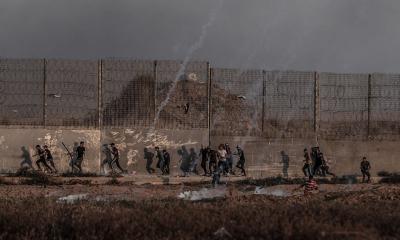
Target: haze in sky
(320,35)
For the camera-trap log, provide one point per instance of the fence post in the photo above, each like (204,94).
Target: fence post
(44,93)
(264,85)
(369,106)
(316,106)
(100,93)
(155,91)
(209,100)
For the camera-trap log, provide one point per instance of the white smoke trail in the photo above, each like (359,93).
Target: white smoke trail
(197,45)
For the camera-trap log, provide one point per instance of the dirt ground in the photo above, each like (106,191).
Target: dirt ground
(237,209)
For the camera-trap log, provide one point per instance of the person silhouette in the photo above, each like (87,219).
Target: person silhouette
(185,160)
(193,161)
(148,156)
(108,158)
(26,158)
(285,166)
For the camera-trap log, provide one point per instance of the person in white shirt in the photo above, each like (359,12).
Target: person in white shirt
(222,158)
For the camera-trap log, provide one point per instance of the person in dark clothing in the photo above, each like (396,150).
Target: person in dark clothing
(148,156)
(285,164)
(80,153)
(229,159)
(365,166)
(115,153)
(49,158)
(317,161)
(307,164)
(167,159)
(216,175)
(193,161)
(42,158)
(161,161)
(324,167)
(204,159)
(184,162)
(212,165)
(242,160)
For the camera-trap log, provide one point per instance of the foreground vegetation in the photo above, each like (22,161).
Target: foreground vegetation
(373,214)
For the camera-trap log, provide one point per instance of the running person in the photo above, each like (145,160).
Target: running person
(307,168)
(108,160)
(324,167)
(115,153)
(242,160)
(80,153)
(229,159)
(49,158)
(167,159)
(148,156)
(161,161)
(365,166)
(42,158)
(204,159)
(213,161)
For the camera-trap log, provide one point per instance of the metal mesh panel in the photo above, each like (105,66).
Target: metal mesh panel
(289,104)
(187,106)
(21,92)
(343,105)
(128,93)
(237,98)
(385,106)
(72,93)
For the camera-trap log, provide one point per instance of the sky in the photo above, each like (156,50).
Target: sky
(359,36)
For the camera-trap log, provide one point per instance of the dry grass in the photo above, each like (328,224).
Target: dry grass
(355,215)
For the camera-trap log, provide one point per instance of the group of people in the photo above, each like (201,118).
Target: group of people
(225,162)
(219,161)
(315,163)
(311,185)
(45,158)
(163,160)
(212,161)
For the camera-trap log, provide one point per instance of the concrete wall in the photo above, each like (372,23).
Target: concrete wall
(264,157)
(132,141)
(17,146)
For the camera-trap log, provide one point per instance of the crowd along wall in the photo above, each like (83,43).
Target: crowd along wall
(272,115)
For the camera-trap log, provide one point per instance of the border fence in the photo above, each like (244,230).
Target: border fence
(114,93)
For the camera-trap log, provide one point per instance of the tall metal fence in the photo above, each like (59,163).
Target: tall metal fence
(343,105)
(71,93)
(289,104)
(181,94)
(115,93)
(128,89)
(236,102)
(384,106)
(22,92)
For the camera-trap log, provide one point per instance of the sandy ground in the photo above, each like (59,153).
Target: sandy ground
(148,188)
